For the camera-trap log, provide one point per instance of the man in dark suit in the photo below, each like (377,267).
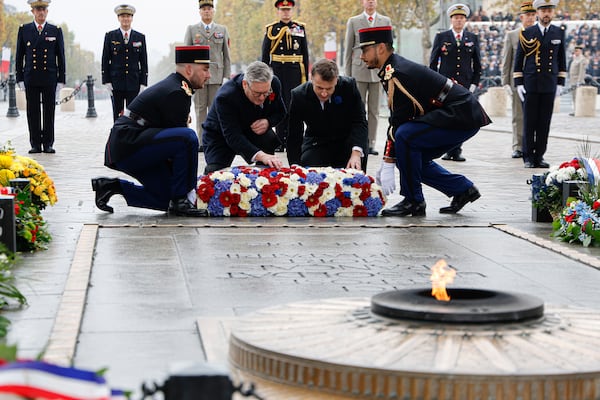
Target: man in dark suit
(456,55)
(540,72)
(40,66)
(285,49)
(429,115)
(242,118)
(336,132)
(152,142)
(124,61)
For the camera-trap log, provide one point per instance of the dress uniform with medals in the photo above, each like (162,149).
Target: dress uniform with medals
(152,142)
(217,37)
(285,49)
(456,55)
(40,65)
(429,115)
(540,72)
(124,62)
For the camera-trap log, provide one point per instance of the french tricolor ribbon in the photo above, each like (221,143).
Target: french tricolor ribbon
(37,379)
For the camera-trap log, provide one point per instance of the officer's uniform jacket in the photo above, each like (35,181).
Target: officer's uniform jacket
(342,119)
(577,70)
(226,130)
(353,65)
(125,66)
(458,61)
(416,93)
(163,105)
(285,48)
(40,57)
(217,38)
(540,62)
(509,49)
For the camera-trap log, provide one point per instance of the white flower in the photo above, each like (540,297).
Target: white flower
(260,182)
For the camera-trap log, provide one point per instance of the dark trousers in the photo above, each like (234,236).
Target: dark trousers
(118,101)
(537,114)
(417,145)
(333,154)
(290,76)
(167,169)
(40,116)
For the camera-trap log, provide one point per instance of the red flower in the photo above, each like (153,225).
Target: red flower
(312,201)
(205,192)
(301,190)
(269,199)
(17,208)
(346,202)
(596,205)
(226,198)
(359,211)
(570,218)
(234,210)
(272,96)
(321,211)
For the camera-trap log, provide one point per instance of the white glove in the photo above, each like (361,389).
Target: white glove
(386,177)
(472,88)
(521,92)
(142,88)
(21,85)
(109,87)
(559,89)
(59,86)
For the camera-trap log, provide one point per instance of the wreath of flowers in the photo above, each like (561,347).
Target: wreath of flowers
(294,192)
(579,222)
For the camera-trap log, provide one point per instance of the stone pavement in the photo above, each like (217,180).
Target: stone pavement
(129,290)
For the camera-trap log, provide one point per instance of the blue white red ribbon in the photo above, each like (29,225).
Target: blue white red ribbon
(37,379)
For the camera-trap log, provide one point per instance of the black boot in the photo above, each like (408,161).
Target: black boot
(404,208)
(460,200)
(105,188)
(185,208)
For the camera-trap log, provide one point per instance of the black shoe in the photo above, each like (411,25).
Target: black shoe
(542,164)
(517,154)
(404,208)
(185,208)
(49,150)
(453,157)
(528,164)
(460,200)
(372,151)
(35,150)
(105,188)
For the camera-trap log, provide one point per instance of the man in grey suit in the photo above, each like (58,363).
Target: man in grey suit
(209,33)
(511,42)
(366,79)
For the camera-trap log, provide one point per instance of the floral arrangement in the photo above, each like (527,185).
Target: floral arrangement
(579,221)
(549,195)
(293,192)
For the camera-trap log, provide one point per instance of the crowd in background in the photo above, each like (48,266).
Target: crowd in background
(491,30)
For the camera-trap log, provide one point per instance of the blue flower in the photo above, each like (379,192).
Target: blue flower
(314,177)
(373,205)
(297,208)
(337,99)
(332,206)
(256,207)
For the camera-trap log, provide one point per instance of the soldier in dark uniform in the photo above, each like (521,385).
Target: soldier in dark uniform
(336,132)
(40,66)
(456,55)
(124,61)
(429,115)
(152,142)
(285,49)
(540,72)
(241,120)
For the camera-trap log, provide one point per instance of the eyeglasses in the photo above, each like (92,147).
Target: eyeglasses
(259,94)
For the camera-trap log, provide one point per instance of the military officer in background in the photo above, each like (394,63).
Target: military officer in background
(577,70)
(151,142)
(40,66)
(511,42)
(456,55)
(124,61)
(540,71)
(285,49)
(366,79)
(209,33)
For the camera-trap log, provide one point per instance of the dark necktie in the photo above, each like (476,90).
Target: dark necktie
(545,31)
(207,28)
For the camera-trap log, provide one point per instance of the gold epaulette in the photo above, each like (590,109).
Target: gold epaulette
(271,24)
(303,24)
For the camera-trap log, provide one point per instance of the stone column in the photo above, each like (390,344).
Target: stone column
(585,101)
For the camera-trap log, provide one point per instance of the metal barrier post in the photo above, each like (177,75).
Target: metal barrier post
(91,111)
(13,111)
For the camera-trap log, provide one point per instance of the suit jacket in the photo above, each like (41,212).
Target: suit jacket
(509,49)
(218,40)
(342,118)
(227,125)
(40,57)
(353,65)
(542,69)
(461,62)
(163,105)
(125,66)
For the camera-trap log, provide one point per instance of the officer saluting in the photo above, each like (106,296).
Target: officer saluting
(124,61)
(285,49)
(40,65)
(540,71)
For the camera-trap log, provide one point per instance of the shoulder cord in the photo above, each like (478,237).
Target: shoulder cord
(275,39)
